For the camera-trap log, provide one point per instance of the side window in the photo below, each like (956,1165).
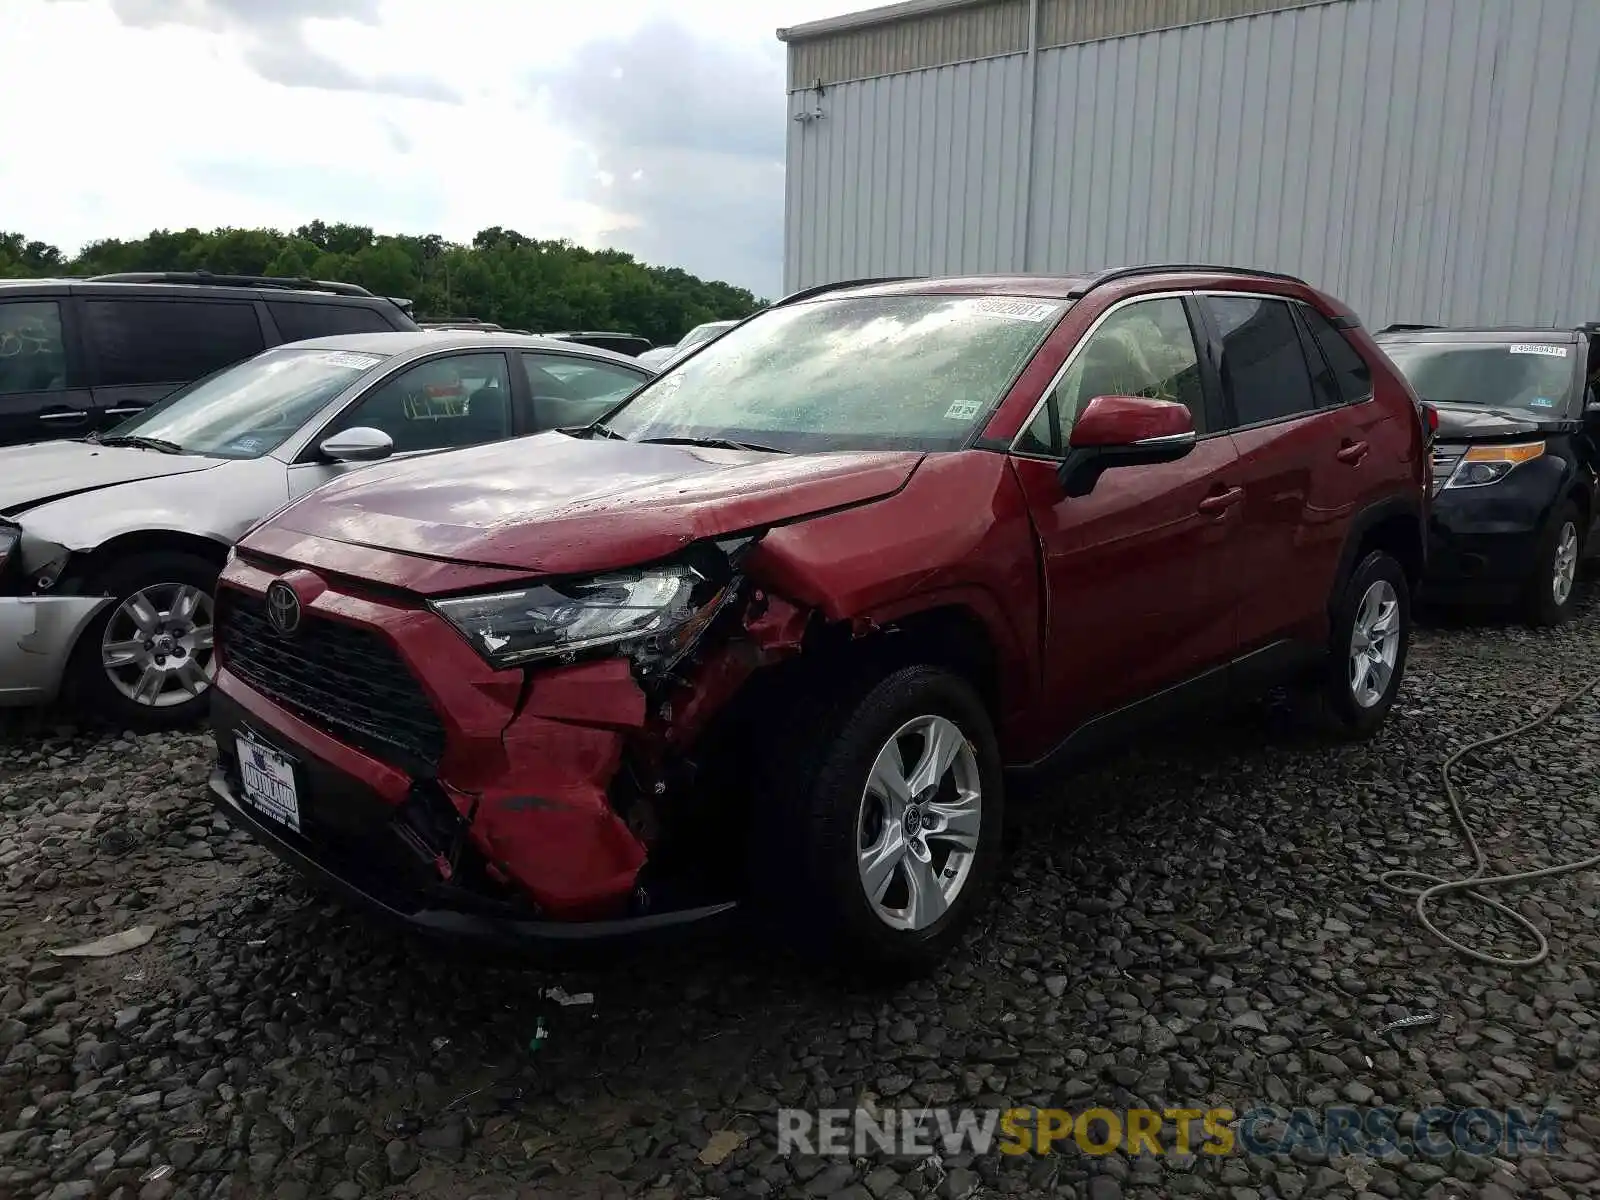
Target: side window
(167,341)
(297,321)
(1143,349)
(32,357)
(438,405)
(1343,376)
(568,390)
(1263,363)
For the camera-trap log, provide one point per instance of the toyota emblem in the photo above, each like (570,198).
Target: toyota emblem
(283,608)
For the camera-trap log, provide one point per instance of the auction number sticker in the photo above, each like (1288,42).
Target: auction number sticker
(348,358)
(1537,348)
(1015,310)
(963,410)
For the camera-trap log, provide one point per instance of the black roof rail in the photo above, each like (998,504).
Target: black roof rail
(1100,279)
(822,289)
(1403,326)
(286,282)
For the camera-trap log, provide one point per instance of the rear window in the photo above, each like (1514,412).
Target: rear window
(1343,376)
(1534,376)
(297,321)
(138,341)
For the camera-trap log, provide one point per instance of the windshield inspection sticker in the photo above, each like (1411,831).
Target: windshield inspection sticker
(1535,348)
(348,358)
(963,410)
(1016,310)
(1543,402)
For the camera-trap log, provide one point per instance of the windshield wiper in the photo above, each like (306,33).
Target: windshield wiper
(604,431)
(143,443)
(714,443)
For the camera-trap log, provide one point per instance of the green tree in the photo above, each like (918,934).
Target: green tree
(502,275)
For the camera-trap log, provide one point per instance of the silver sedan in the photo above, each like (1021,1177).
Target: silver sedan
(110,547)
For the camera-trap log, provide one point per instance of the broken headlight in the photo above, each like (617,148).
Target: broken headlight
(556,619)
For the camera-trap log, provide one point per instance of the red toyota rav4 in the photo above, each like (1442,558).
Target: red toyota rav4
(774,630)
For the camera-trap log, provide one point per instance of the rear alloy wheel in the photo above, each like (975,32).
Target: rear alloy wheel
(1367,646)
(1549,599)
(146,663)
(877,830)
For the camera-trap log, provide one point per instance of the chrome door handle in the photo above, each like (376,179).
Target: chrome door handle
(125,412)
(64,416)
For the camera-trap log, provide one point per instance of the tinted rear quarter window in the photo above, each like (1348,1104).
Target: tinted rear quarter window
(299,320)
(1344,376)
(32,355)
(137,341)
(1263,364)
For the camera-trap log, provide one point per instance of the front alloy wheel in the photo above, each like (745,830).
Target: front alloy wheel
(146,661)
(1565,572)
(879,807)
(156,648)
(921,818)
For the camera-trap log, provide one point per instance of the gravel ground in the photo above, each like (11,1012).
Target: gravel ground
(1197,923)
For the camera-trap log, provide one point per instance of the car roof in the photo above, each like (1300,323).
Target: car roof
(218,289)
(1073,286)
(1481,333)
(408,342)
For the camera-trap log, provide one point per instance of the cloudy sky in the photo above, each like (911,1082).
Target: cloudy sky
(656,126)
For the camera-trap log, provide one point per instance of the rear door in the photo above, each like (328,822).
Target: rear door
(1303,456)
(42,392)
(564,390)
(1141,593)
(139,349)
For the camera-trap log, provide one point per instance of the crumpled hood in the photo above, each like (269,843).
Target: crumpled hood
(554,504)
(1466,423)
(43,471)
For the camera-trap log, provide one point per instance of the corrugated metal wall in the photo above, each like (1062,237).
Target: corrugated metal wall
(982,30)
(1429,160)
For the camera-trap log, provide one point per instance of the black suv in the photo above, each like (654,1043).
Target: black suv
(79,356)
(1514,463)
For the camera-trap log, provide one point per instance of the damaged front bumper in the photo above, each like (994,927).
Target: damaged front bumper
(370,852)
(37,635)
(490,805)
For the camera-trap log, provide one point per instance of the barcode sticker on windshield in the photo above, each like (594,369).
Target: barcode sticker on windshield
(348,358)
(963,410)
(1536,348)
(1016,310)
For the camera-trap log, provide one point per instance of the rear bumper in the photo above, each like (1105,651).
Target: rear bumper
(37,634)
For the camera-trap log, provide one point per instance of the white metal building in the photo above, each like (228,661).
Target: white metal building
(1424,160)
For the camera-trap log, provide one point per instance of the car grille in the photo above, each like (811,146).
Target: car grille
(1445,459)
(346,679)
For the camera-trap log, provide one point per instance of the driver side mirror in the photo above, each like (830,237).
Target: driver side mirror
(1123,431)
(358,445)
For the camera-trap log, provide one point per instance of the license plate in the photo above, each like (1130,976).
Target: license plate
(268,779)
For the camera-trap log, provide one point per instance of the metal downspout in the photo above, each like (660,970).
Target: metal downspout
(1030,90)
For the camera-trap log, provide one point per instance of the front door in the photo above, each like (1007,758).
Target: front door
(41,395)
(443,403)
(1140,588)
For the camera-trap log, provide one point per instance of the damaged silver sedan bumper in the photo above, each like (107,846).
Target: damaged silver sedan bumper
(37,634)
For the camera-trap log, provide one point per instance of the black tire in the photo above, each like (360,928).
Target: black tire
(89,684)
(1347,714)
(809,813)
(1539,603)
